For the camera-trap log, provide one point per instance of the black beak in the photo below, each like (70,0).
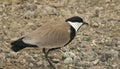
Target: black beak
(85,23)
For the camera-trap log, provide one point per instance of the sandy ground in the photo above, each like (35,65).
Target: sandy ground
(96,46)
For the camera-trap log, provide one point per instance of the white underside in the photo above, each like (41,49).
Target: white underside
(75,25)
(29,41)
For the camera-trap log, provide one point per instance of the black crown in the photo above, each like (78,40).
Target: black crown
(75,19)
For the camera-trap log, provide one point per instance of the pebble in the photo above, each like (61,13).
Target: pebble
(107,0)
(110,41)
(95,61)
(49,10)
(118,42)
(95,25)
(13,39)
(87,38)
(68,60)
(105,57)
(31,64)
(84,63)
(69,54)
(39,63)
(36,55)
(31,7)
(68,57)
(56,60)
(23,61)
(66,49)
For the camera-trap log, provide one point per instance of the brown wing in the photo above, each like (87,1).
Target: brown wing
(50,35)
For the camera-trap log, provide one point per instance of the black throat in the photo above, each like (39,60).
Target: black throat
(72,34)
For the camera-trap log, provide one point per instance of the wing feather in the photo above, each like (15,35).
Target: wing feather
(49,35)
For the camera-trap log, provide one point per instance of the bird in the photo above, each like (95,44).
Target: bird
(52,35)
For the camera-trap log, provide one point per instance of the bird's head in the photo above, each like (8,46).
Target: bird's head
(76,22)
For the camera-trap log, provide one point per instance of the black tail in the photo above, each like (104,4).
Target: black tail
(19,45)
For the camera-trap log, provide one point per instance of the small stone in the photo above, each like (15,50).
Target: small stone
(96,61)
(98,8)
(107,0)
(8,59)
(49,10)
(13,39)
(13,54)
(110,41)
(31,64)
(87,38)
(95,25)
(72,54)
(69,54)
(39,63)
(30,23)
(56,60)
(31,7)
(105,57)
(35,55)
(23,61)
(65,49)
(85,63)
(68,60)
(118,42)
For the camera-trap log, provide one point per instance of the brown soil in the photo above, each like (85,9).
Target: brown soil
(96,46)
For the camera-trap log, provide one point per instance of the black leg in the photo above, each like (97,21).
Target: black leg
(46,56)
(52,50)
(44,50)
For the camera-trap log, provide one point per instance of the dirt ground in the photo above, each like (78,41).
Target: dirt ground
(96,46)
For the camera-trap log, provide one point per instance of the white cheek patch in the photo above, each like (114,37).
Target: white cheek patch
(75,25)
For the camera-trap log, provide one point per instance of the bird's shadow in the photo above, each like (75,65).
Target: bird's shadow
(19,45)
